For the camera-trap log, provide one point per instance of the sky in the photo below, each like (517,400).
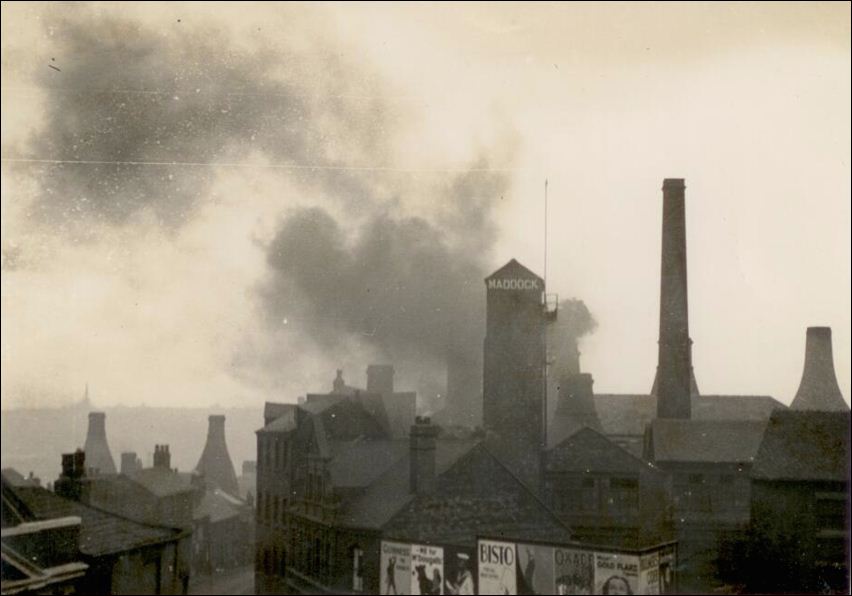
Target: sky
(220,204)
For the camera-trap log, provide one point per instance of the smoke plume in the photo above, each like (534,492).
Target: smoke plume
(408,287)
(142,146)
(574,321)
(128,94)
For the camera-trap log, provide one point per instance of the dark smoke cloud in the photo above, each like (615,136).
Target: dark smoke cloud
(409,287)
(129,93)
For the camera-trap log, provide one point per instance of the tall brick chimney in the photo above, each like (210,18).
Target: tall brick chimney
(818,389)
(215,463)
(422,442)
(162,457)
(674,383)
(380,379)
(98,457)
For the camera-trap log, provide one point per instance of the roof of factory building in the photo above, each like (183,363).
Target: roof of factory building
(162,482)
(589,451)
(804,445)
(629,414)
(473,490)
(101,532)
(706,441)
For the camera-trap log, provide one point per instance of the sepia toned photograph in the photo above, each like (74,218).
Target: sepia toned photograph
(426,297)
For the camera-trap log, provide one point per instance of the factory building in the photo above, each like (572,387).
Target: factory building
(624,417)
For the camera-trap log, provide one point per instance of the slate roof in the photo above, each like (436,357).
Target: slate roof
(218,506)
(284,423)
(629,414)
(15,478)
(101,533)
(474,493)
(359,463)
(274,410)
(707,441)
(391,490)
(163,482)
(804,445)
(588,450)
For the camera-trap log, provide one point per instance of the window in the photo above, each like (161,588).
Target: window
(831,511)
(624,494)
(575,495)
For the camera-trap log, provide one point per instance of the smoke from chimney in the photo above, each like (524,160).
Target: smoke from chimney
(818,389)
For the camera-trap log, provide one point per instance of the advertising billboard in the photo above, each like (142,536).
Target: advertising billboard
(459,571)
(534,566)
(496,567)
(616,573)
(427,569)
(574,571)
(395,571)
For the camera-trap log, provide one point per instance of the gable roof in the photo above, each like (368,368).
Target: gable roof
(392,489)
(477,491)
(804,445)
(218,506)
(14,510)
(707,441)
(274,410)
(162,482)
(589,451)
(629,414)
(358,463)
(102,533)
(513,269)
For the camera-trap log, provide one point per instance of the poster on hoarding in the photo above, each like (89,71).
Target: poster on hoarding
(496,567)
(574,571)
(616,574)
(649,573)
(667,565)
(534,567)
(427,569)
(459,571)
(395,568)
